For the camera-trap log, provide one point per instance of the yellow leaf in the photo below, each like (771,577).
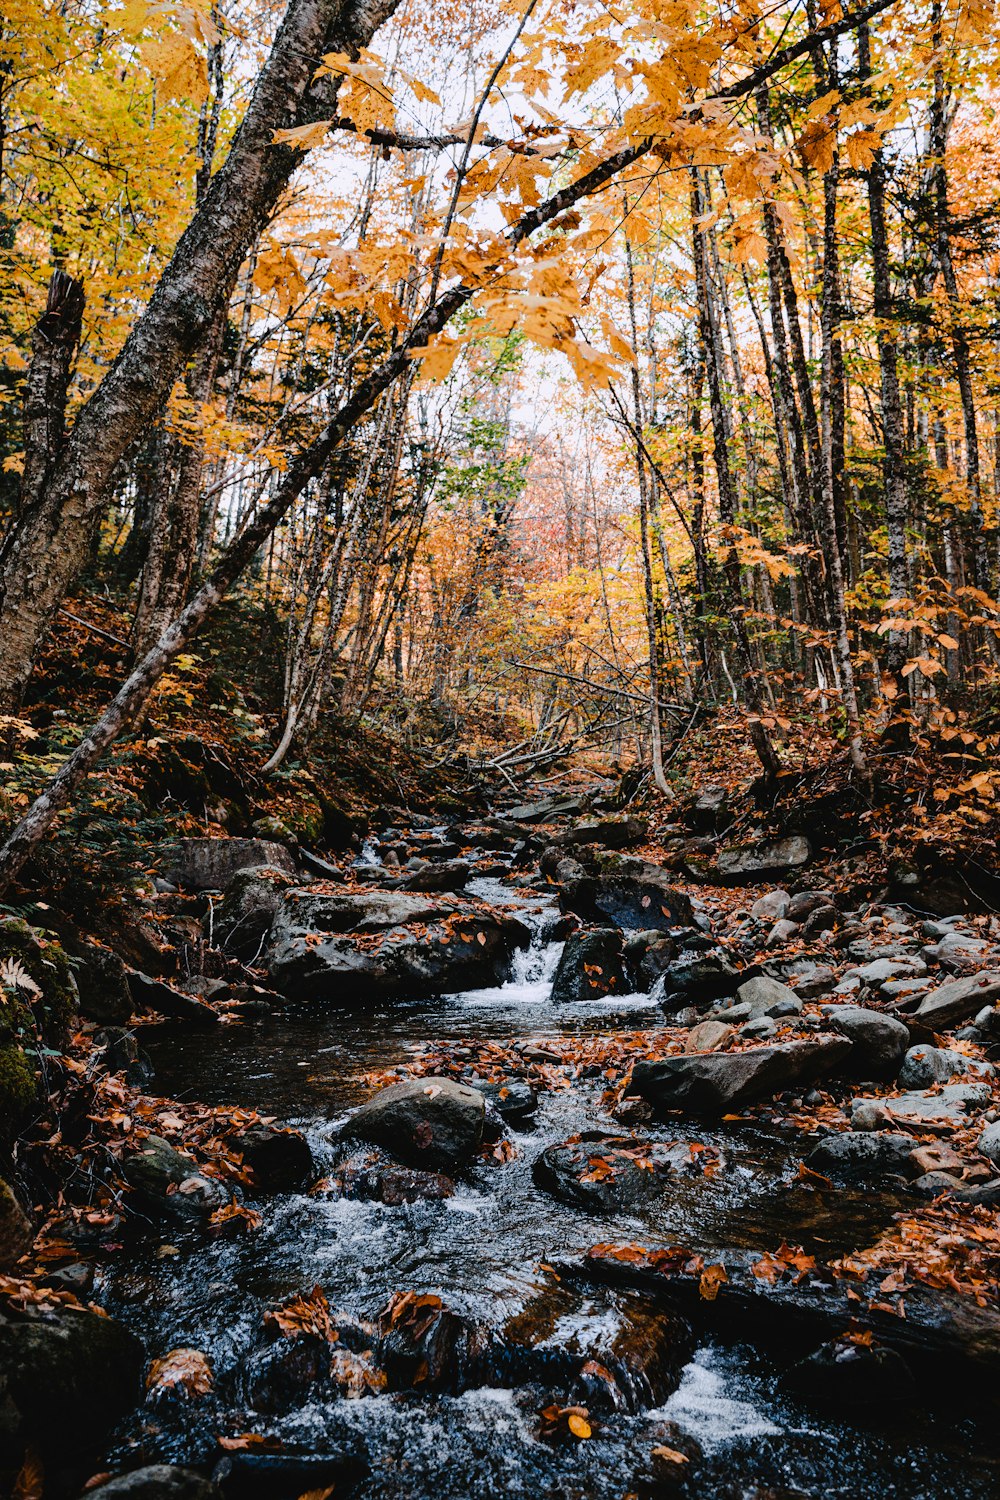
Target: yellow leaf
(179,66)
(424,94)
(303,137)
(860,148)
(437,359)
(670,1455)
(579,1426)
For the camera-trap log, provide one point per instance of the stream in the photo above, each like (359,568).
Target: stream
(485,1252)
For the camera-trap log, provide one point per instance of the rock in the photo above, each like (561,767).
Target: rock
(846,1373)
(989,1143)
(804,903)
(606,1173)
(38,1002)
(768,997)
(647,954)
(710,810)
(544,811)
(210,864)
(242,920)
(119,1052)
(612,833)
(630,893)
(369,1179)
(590,967)
(957,951)
(157,1482)
(938,1157)
(514,1100)
(718,1082)
(425,1122)
(820,919)
(409,944)
(102,983)
(772,907)
(924,1065)
(621,1353)
(742,866)
(879,1041)
(782,932)
(168,1184)
(279,1158)
(857,1155)
(16,1233)
(709,1036)
(446,875)
(811,981)
(760,1026)
(156,994)
(68,1376)
(695,979)
(881,969)
(933,1184)
(933,1112)
(954,1002)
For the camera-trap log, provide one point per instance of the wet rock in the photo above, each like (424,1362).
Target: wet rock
(752,862)
(629,893)
(253,896)
(633,1111)
(772,907)
(605,1173)
(647,955)
(709,1036)
(426,1122)
(954,1002)
(355,945)
(933,1184)
(719,1082)
(879,1041)
(102,982)
(846,1373)
(382,1182)
(68,1377)
(157,1482)
(620,1354)
(279,1158)
(166,1000)
(210,864)
(16,1233)
(425,1345)
(989,1142)
(768,997)
(168,1184)
(282,1374)
(930,1111)
(924,1065)
(695,979)
(590,967)
(446,875)
(860,1156)
(612,833)
(514,1099)
(285,1476)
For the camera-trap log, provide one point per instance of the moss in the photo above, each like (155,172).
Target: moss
(44,961)
(17,1087)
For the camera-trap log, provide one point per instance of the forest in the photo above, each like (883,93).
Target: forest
(499,716)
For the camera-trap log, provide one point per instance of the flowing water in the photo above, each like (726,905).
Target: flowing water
(485,1252)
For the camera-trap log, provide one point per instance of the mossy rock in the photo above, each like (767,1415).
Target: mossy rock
(40,1001)
(18,1087)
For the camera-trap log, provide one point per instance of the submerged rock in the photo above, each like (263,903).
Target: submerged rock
(716,1082)
(279,1157)
(590,967)
(170,1185)
(425,1122)
(605,1172)
(368,1178)
(157,1482)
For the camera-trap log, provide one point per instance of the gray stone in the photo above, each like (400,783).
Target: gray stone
(590,967)
(210,864)
(881,969)
(630,893)
(760,1026)
(102,982)
(933,1184)
(157,1482)
(804,903)
(445,875)
(768,997)
(709,1036)
(855,1154)
(171,1185)
(772,907)
(716,1082)
(879,1041)
(244,916)
(755,861)
(542,812)
(959,999)
(924,1065)
(710,810)
(921,1110)
(813,982)
(989,1142)
(782,932)
(957,951)
(611,833)
(425,1122)
(695,979)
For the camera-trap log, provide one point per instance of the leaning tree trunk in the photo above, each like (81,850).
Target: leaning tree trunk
(46,549)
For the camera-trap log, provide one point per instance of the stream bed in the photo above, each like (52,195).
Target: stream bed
(486,1252)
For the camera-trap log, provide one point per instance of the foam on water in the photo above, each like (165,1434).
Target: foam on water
(713,1406)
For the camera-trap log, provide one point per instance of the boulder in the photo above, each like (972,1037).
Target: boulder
(514,1100)
(710,811)
(444,875)
(547,809)
(368,1178)
(156,994)
(958,951)
(349,946)
(629,893)
(989,1142)
(425,1122)
(956,1001)
(751,862)
(612,833)
(16,1233)
(606,1173)
(157,1482)
(279,1158)
(210,864)
(709,1036)
(102,982)
(772,907)
(717,1082)
(929,1111)
(768,997)
(858,1155)
(253,895)
(782,932)
(879,1041)
(170,1185)
(924,1065)
(590,967)
(68,1377)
